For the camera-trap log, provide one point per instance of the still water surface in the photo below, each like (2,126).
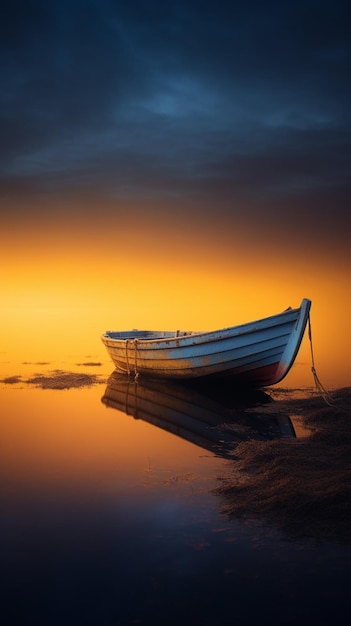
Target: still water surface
(109,519)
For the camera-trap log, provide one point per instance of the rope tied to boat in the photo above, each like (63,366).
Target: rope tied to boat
(127,359)
(324,393)
(136,374)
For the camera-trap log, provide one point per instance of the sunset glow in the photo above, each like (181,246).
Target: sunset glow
(151,183)
(61,289)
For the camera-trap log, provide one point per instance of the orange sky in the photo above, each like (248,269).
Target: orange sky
(63,283)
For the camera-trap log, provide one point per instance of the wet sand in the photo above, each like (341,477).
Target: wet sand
(302,486)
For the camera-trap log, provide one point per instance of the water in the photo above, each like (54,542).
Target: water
(107,519)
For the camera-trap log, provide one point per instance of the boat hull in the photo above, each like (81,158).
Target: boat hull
(259,353)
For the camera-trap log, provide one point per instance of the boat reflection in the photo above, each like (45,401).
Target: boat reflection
(215,417)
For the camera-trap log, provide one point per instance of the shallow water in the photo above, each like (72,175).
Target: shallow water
(108,519)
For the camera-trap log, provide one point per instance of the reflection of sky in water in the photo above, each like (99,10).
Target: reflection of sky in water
(108,520)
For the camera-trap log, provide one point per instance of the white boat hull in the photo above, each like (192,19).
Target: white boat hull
(260,352)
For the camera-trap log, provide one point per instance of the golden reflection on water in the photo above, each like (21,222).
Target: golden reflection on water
(52,439)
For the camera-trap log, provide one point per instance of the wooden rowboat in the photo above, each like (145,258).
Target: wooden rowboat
(258,353)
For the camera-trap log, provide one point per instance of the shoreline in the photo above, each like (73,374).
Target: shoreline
(301,485)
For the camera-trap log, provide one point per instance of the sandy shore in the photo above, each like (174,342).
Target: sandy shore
(302,485)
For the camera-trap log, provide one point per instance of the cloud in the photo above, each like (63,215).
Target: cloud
(200,100)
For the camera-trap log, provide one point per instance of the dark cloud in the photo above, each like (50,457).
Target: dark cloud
(209,101)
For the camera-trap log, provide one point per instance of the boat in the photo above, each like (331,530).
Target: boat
(259,353)
(211,415)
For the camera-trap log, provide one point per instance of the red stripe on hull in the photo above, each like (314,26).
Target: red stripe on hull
(262,376)
(258,377)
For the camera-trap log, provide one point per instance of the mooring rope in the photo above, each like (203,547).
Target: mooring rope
(136,374)
(127,360)
(324,393)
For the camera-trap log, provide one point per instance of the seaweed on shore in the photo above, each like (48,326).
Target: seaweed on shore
(302,486)
(62,380)
(56,379)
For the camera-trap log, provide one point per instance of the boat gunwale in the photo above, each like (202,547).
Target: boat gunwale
(212,335)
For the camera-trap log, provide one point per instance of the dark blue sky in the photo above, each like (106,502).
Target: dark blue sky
(237,108)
